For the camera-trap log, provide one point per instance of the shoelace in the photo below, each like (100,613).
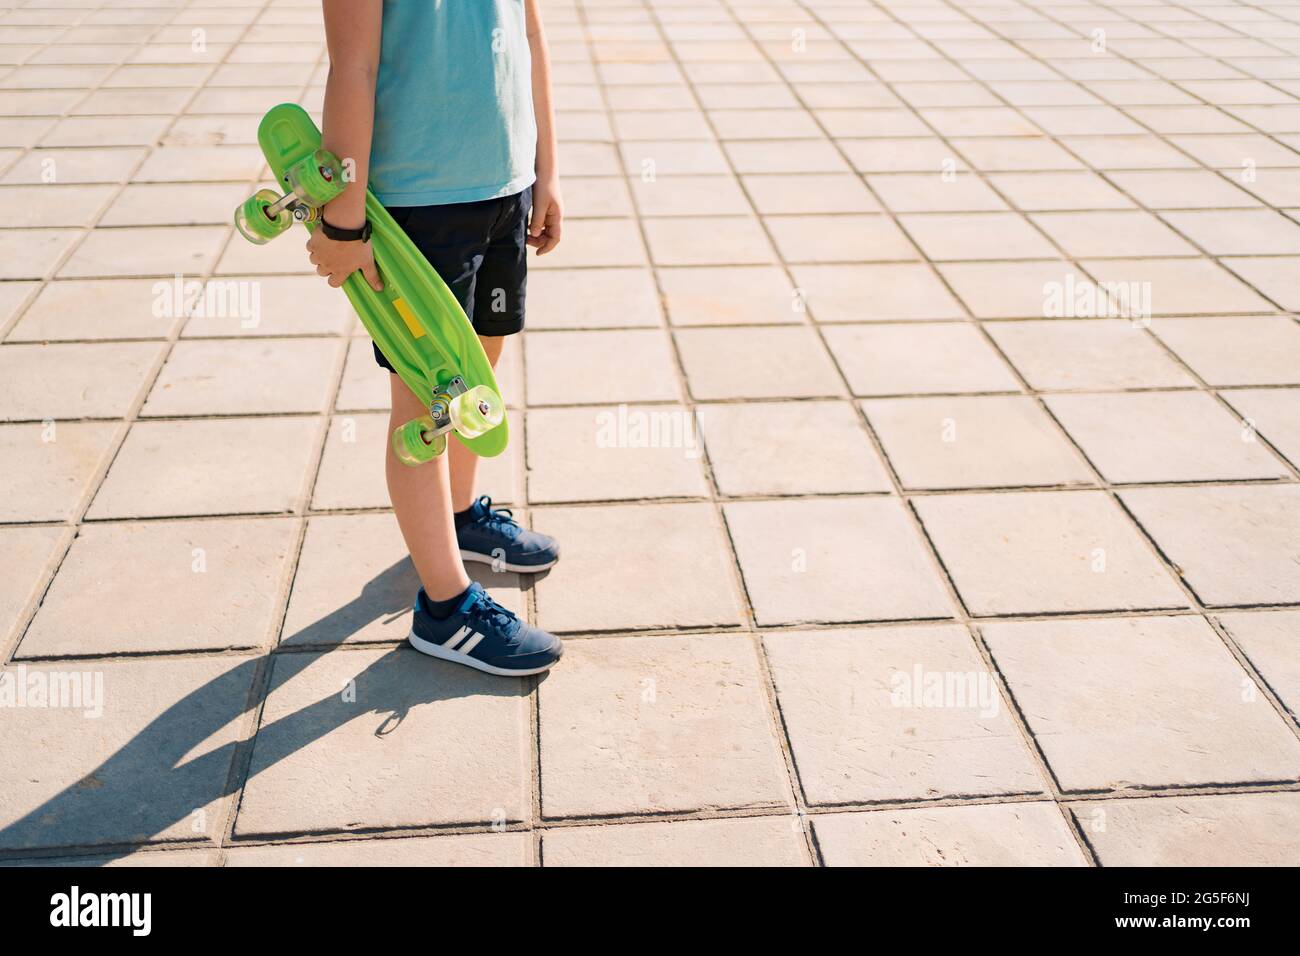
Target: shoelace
(500,519)
(487,611)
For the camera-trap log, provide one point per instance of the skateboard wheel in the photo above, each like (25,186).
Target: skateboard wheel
(317,178)
(253,221)
(410,445)
(477,411)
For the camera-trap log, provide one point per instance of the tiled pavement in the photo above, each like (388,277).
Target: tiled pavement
(962,570)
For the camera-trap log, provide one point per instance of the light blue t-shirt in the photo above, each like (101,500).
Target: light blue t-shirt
(453,103)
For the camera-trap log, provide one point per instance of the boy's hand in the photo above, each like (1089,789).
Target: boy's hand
(337,260)
(544,224)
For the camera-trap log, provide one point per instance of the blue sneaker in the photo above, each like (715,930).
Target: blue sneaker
(482,634)
(492,536)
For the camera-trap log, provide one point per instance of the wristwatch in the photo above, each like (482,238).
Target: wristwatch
(346,235)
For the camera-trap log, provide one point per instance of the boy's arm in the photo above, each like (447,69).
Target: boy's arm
(544,226)
(352,33)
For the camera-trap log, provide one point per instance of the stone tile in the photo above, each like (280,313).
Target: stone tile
(911,155)
(974,442)
(870,292)
(1108,712)
(592,299)
(288,256)
(690,196)
(509,848)
(13,297)
(33,253)
(165,204)
(365,383)
(1268,639)
(1236,351)
(1181,189)
(919,192)
(1163,436)
(269,305)
(47,469)
(223,581)
(918,358)
(700,240)
(1005,834)
(1066,354)
(99,309)
(610,453)
(1014,153)
(794,156)
(1233,545)
(1010,290)
(27,556)
(756,363)
(146,251)
(1275,277)
(1272,413)
(1239,829)
(211,467)
(1034,192)
(52,205)
(1045,552)
(101,165)
(633,365)
(1238,232)
(131,858)
(367,598)
(600,242)
(655,725)
(839,239)
(672,158)
(977,236)
(40,382)
(1126,152)
(1181,286)
(748,841)
(729,295)
(358,739)
(1112,234)
(848,704)
(764,448)
(831,560)
(808,193)
(167,728)
(232,377)
(682,575)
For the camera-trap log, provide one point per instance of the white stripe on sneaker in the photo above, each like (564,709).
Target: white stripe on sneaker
(451,642)
(470,644)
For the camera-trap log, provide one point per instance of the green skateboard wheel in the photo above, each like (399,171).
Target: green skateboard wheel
(317,178)
(254,222)
(477,411)
(410,446)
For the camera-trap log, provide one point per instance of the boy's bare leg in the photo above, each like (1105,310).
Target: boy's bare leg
(464,463)
(422,502)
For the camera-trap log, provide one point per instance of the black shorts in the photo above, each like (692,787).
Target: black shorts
(479,250)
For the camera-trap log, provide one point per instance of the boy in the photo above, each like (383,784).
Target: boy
(445,110)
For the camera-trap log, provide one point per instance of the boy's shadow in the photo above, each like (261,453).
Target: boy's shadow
(149,786)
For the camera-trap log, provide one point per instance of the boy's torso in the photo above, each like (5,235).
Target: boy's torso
(453,103)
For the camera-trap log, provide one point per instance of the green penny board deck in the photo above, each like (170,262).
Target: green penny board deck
(416,321)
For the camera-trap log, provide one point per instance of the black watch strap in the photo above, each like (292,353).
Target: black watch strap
(346,235)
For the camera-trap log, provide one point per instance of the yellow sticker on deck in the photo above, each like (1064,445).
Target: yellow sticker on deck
(412,323)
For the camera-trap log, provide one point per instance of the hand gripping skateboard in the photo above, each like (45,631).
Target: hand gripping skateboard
(416,321)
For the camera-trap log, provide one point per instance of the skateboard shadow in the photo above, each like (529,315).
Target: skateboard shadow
(151,787)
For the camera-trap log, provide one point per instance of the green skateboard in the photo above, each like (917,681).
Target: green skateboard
(416,321)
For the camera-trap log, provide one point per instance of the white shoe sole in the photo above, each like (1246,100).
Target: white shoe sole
(437,650)
(506,565)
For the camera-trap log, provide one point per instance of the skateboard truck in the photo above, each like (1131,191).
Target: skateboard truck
(454,407)
(309,184)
